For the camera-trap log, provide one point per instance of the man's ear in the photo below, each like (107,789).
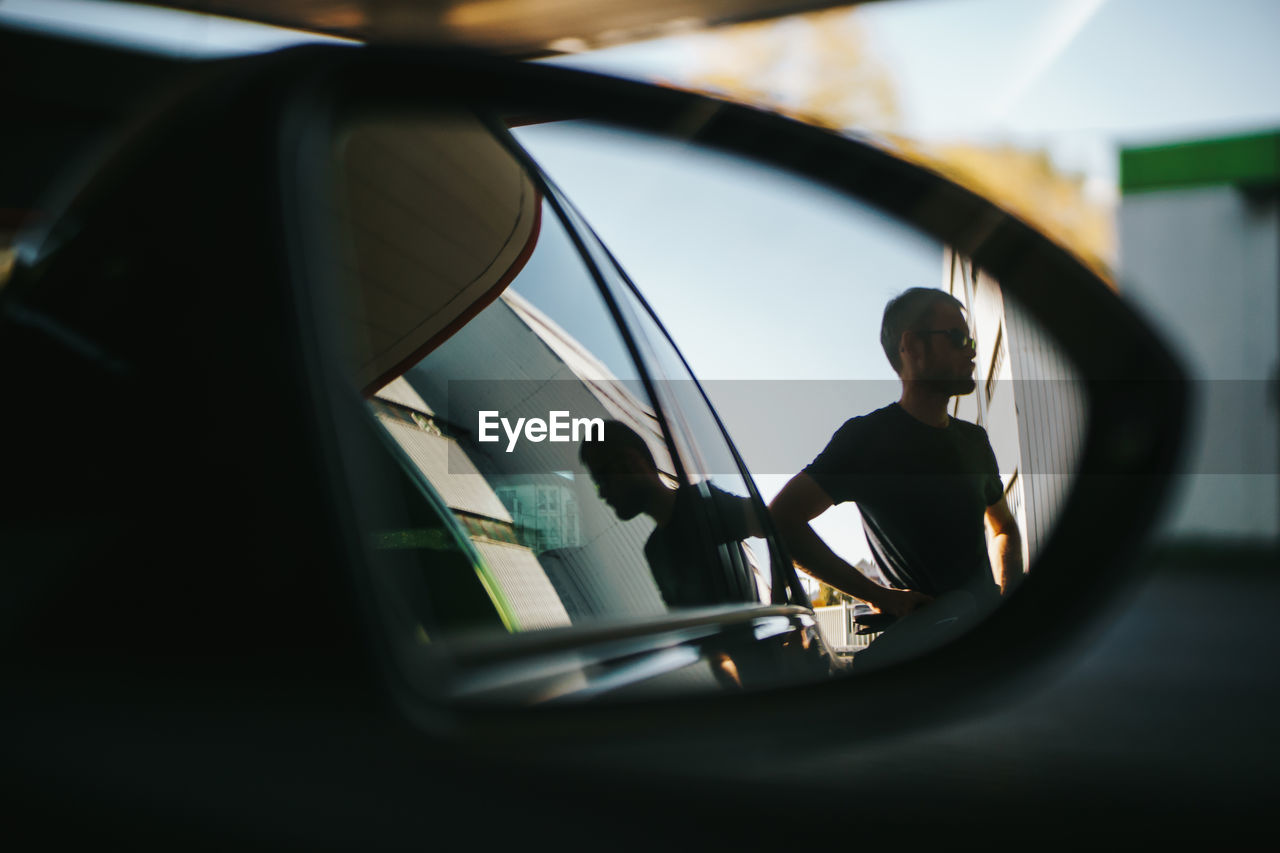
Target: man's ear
(908,346)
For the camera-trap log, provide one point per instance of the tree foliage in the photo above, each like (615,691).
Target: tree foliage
(815,66)
(819,68)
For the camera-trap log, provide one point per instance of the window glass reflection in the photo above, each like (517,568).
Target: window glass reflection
(716,477)
(493,365)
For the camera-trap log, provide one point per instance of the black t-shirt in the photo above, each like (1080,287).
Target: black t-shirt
(696,557)
(922,492)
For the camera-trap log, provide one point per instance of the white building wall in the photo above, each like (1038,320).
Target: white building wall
(1052,415)
(1204,265)
(1028,399)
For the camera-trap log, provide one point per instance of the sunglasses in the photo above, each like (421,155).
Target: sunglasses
(960,338)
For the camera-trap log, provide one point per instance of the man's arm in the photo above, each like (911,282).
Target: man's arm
(737,515)
(1003,529)
(803,500)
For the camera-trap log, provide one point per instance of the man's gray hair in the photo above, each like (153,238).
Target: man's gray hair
(906,311)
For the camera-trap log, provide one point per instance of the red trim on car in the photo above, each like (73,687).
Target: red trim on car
(472,310)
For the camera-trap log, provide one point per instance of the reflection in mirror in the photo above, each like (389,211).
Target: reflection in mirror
(551,509)
(540,488)
(776,290)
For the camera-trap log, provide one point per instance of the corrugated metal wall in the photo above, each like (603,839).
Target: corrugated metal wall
(1052,415)
(1028,399)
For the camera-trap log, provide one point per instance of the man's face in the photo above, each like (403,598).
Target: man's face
(944,366)
(618,482)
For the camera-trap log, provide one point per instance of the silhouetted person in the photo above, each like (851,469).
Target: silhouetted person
(923,481)
(693,523)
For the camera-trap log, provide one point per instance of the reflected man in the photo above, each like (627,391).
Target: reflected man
(682,551)
(924,482)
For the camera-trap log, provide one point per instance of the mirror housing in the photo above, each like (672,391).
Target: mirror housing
(253,320)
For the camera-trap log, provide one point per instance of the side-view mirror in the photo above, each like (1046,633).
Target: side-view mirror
(368,373)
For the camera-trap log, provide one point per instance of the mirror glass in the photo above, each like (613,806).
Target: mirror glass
(776,290)
(555,511)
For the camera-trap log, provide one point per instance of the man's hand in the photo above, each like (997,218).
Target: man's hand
(900,602)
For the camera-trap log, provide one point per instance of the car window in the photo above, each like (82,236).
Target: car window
(709,459)
(527,443)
